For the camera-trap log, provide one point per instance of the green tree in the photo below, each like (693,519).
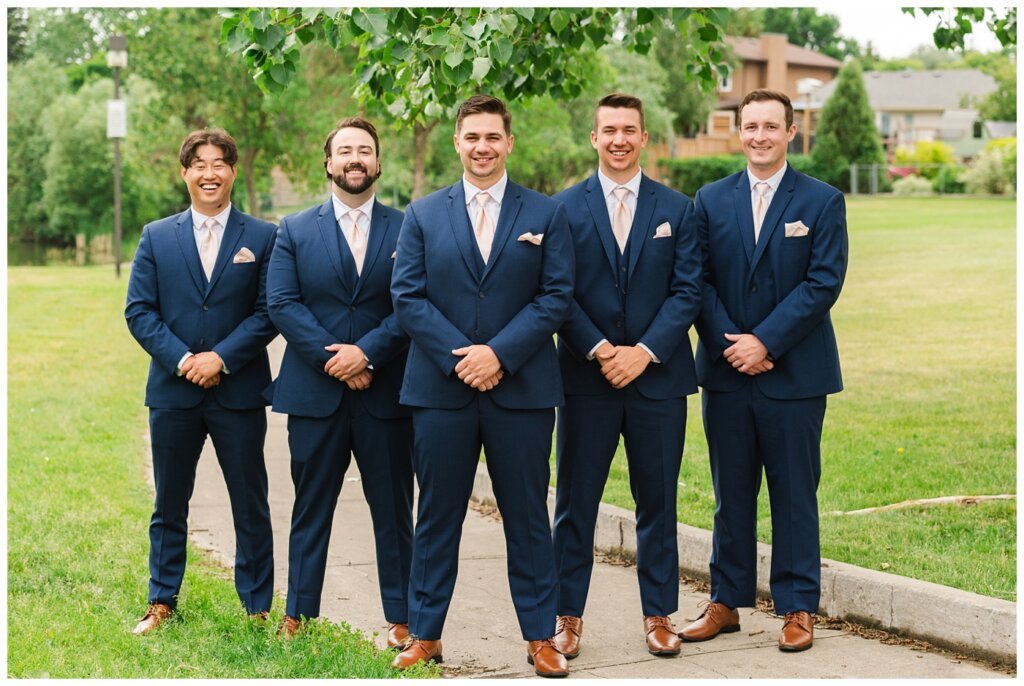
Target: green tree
(418,63)
(31,87)
(846,133)
(688,103)
(1001,104)
(17,40)
(956,23)
(805,27)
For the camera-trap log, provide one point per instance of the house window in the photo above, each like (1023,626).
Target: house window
(885,123)
(977,129)
(725,82)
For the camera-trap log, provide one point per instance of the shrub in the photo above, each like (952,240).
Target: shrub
(688,175)
(949,180)
(927,156)
(988,174)
(911,185)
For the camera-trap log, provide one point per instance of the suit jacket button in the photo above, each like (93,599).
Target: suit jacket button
(753,289)
(618,324)
(352,308)
(206,308)
(202,341)
(481,295)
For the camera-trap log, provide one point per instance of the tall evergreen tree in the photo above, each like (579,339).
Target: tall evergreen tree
(847,131)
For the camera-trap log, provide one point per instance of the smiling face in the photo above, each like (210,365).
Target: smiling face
(483,146)
(618,137)
(353,164)
(764,136)
(209,180)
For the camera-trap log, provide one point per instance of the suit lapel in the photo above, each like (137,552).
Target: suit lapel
(189,251)
(375,238)
(228,243)
(641,229)
(511,203)
(329,232)
(744,213)
(462,230)
(780,200)
(599,212)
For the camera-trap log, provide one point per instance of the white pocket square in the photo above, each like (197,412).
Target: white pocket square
(534,238)
(393,254)
(243,255)
(663,230)
(796,229)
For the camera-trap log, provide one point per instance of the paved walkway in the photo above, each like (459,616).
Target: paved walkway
(481,634)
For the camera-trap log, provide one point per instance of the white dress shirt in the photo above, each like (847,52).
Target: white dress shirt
(341,211)
(198,219)
(612,203)
(493,209)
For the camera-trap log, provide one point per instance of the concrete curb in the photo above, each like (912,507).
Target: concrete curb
(956,620)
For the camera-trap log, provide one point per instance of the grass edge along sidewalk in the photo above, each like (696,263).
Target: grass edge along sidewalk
(78,513)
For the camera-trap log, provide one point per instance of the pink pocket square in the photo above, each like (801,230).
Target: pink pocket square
(796,229)
(243,255)
(534,238)
(664,230)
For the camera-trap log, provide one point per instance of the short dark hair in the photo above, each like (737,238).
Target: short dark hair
(210,136)
(763,94)
(484,104)
(350,123)
(621,100)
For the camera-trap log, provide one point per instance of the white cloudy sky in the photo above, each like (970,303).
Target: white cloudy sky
(892,33)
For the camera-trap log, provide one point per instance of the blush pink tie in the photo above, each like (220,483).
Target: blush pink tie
(484,229)
(622,219)
(762,189)
(209,247)
(356,240)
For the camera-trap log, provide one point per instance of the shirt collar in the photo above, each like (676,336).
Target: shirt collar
(497,191)
(341,208)
(773,181)
(607,185)
(198,218)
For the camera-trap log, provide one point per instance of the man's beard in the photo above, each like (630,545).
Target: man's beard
(355,189)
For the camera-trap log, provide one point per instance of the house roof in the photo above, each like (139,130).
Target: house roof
(938,90)
(752,49)
(1001,129)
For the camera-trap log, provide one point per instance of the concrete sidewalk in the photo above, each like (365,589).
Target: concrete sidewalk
(481,634)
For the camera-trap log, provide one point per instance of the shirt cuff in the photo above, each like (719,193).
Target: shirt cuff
(654,358)
(184,357)
(593,350)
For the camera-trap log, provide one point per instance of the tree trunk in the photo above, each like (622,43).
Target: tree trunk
(421,146)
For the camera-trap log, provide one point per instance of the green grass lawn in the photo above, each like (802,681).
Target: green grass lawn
(78,512)
(927,336)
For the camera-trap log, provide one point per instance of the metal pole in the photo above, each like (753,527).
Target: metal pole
(117,184)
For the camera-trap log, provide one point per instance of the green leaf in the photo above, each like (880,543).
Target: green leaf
(453,59)
(708,33)
(279,74)
(438,36)
(559,20)
(474,29)
(457,75)
(644,15)
(305,34)
(481,65)
(260,19)
(524,12)
(310,14)
(501,49)
(274,37)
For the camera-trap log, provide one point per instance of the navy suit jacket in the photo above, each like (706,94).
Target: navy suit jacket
(316,298)
(662,295)
(445,300)
(780,290)
(171,310)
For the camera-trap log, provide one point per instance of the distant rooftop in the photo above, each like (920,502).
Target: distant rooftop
(753,49)
(939,89)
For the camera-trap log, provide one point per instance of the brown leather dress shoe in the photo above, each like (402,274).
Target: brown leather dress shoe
(289,628)
(797,632)
(155,615)
(546,659)
(259,617)
(398,634)
(715,619)
(568,632)
(417,650)
(662,639)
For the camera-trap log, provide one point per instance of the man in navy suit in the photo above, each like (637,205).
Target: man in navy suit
(483,279)
(627,366)
(775,252)
(197,304)
(329,293)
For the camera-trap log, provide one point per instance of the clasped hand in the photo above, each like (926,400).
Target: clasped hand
(349,365)
(747,354)
(203,369)
(620,364)
(479,367)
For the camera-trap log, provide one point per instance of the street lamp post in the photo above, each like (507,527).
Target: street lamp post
(117,59)
(806,87)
